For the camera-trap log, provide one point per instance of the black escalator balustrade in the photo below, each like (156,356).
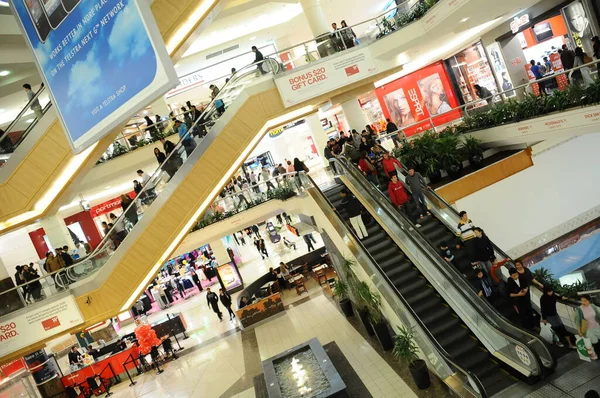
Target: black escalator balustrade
(442,322)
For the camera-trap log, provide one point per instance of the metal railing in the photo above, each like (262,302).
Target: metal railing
(485,316)
(58,281)
(474,385)
(11,138)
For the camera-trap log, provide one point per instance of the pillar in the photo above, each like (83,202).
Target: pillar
(3,270)
(354,115)
(160,107)
(315,17)
(219,251)
(318,133)
(57,232)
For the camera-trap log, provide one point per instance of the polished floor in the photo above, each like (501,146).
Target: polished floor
(226,367)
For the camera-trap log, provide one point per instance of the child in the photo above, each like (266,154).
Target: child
(446,252)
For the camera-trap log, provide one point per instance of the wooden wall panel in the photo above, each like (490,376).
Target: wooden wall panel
(485,177)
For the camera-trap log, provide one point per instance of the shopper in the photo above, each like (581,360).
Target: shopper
(389,165)
(587,319)
(30,274)
(258,60)
(151,129)
(226,301)
(266,178)
(354,209)
(526,277)
(415,181)
(465,227)
(330,155)
(537,72)
(446,253)
(262,248)
(348,35)
(336,38)
(105,228)
(520,298)
(365,164)
(596,42)
(550,315)
(213,302)
(397,192)
(483,287)
(256,231)
(582,58)
(64,254)
(284,273)
(130,209)
(350,151)
(186,139)
(483,93)
(74,356)
(390,127)
(567,57)
(34,104)
(483,250)
(53,263)
(308,238)
(196,280)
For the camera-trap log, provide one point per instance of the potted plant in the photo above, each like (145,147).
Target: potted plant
(406,350)
(362,292)
(446,152)
(342,291)
(378,321)
(431,168)
(472,151)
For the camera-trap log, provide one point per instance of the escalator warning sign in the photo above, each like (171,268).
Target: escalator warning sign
(523,355)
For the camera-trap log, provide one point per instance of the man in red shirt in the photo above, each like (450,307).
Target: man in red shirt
(399,196)
(389,164)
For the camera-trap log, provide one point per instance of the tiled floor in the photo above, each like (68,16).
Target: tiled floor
(216,369)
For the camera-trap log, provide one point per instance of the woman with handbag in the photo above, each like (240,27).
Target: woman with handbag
(587,319)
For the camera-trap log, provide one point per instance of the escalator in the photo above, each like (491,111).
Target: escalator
(443,323)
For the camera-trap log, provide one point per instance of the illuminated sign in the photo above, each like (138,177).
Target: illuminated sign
(516,23)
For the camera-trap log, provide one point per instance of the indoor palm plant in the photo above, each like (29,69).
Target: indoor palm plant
(342,291)
(406,350)
(362,294)
(447,153)
(378,321)
(472,151)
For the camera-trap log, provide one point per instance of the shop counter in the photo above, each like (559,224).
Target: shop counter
(116,365)
(261,310)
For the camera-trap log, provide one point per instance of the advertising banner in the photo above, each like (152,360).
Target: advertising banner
(417,96)
(41,367)
(500,70)
(230,276)
(580,26)
(322,77)
(102,61)
(38,324)
(557,66)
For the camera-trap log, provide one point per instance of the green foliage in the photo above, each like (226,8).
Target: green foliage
(341,289)
(546,278)
(470,147)
(405,347)
(282,193)
(369,301)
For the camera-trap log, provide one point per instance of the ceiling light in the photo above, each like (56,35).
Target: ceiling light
(106,187)
(464,19)
(4,72)
(3,3)
(29,120)
(253,38)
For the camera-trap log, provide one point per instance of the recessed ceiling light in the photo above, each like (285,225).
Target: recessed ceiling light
(108,186)
(253,38)
(4,73)
(29,120)
(464,19)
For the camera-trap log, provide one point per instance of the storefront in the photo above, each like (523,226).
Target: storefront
(468,68)
(372,109)
(539,33)
(412,100)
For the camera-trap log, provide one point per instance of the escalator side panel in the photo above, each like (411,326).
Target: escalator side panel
(160,234)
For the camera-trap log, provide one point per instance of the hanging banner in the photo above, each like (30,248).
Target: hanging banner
(418,96)
(37,324)
(102,61)
(321,77)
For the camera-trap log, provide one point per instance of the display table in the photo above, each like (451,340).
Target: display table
(106,367)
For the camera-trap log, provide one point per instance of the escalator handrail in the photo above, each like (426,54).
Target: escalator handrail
(452,275)
(206,114)
(412,313)
(22,112)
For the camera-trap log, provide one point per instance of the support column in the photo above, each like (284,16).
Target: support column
(57,232)
(315,17)
(314,124)
(354,115)
(219,251)
(160,107)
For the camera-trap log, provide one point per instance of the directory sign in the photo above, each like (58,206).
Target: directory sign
(102,60)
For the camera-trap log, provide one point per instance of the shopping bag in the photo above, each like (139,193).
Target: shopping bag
(583,350)
(546,332)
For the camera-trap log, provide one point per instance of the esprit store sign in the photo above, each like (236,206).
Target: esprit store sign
(38,324)
(516,23)
(333,73)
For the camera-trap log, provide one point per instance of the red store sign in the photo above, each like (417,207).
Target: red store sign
(109,206)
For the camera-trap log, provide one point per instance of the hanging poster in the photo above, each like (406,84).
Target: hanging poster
(102,61)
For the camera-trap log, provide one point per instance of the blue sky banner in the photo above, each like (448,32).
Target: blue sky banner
(103,60)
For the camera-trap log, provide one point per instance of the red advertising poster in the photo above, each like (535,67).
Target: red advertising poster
(109,206)
(417,96)
(557,67)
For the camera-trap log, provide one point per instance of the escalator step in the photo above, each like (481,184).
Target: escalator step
(376,246)
(492,378)
(407,290)
(401,279)
(426,303)
(486,368)
(474,360)
(419,296)
(454,335)
(435,314)
(502,383)
(442,327)
(376,237)
(462,348)
(427,226)
(398,268)
(383,255)
(435,235)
